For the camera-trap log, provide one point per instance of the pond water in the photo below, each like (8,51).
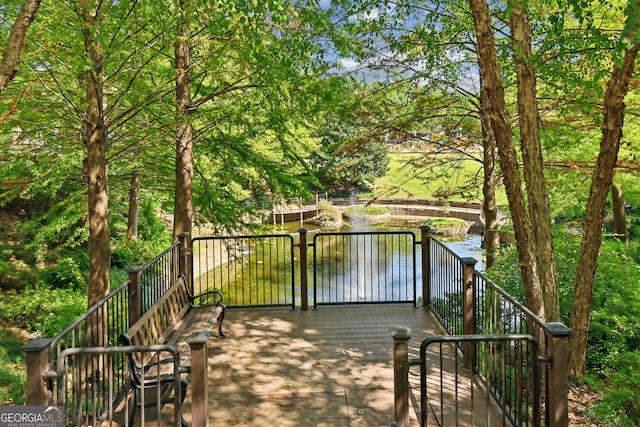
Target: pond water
(464,246)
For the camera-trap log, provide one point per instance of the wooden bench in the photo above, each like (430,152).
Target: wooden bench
(170,320)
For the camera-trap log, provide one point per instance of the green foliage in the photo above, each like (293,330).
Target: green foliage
(615,316)
(15,274)
(153,237)
(620,404)
(350,158)
(45,311)
(448,226)
(65,275)
(328,213)
(614,334)
(13,381)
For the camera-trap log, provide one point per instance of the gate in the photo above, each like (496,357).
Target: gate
(364,267)
(250,271)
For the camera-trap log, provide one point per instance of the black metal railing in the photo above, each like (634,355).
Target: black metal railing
(87,380)
(445,277)
(466,302)
(451,395)
(158,275)
(250,271)
(364,267)
(345,268)
(101,325)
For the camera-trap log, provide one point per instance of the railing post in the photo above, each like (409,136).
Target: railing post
(304,279)
(401,336)
(425,242)
(37,361)
(199,378)
(468,308)
(558,375)
(135,293)
(185,265)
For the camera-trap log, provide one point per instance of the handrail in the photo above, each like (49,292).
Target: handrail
(467,302)
(73,361)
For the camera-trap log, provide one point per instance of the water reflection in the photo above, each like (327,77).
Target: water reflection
(466,246)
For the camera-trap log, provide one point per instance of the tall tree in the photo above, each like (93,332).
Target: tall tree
(95,139)
(612,124)
(248,77)
(538,202)
(489,204)
(183,204)
(500,119)
(15,44)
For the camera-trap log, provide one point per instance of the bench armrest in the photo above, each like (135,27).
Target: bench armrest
(211,298)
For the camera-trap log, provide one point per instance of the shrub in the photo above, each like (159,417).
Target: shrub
(13,381)
(66,275)
(328,209)
(45,311)
(615,315)
(620,404)
(448,226)
(16,275)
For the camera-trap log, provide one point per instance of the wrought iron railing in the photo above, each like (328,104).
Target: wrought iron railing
(466,302)
(87,380)
(346,268)
(101,325)
(364,267)
(250,271)
(451,395)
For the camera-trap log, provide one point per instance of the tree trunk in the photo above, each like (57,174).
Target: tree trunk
(538,202)
(183,202)
(501,124)
(619,217)
(489,205)
(613,120)
(134,206)
(15,44)
(96,142)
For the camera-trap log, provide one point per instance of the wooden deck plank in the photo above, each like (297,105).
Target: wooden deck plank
(325,367)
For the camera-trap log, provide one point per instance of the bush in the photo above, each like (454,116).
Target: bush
(448,226)
(620,404)
(16,275)
(615,315)
(13,381)
(66,275)
(44,310)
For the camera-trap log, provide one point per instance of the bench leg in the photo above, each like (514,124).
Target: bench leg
(220,333)
(134,399)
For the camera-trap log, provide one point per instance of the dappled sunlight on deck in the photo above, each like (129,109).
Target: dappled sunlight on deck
(330,367)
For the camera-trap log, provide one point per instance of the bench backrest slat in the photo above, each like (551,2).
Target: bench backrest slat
(158,322)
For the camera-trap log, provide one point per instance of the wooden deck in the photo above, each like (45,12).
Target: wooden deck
(328,367)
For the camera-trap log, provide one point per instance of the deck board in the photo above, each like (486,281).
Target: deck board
(325,367)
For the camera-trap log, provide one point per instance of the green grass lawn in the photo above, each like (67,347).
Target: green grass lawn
(410,175)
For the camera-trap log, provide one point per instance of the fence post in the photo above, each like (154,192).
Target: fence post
(37,361)
(425,242)
(185,265)
(558,375)
(304,279)
(199,377)
(468,308)
(135,293)
(401,336)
